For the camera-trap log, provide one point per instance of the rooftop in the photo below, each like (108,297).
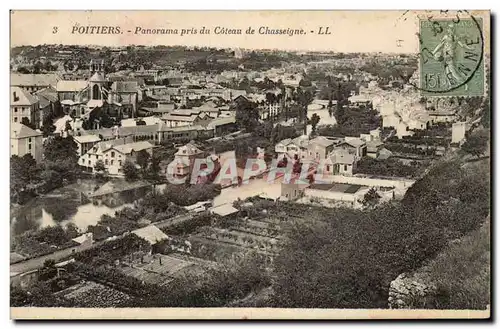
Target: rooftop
(125,86)
(40,80)
(86,139)
(18,130)
(323,141)
(71,85)
(136,147)
(97,77)
(21,97)
(188,149)
(224,210)
(341,157)
(151,234)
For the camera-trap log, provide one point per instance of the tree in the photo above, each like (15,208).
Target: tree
(303,97)
(48,271)
(314,121)
(99,169)
(130,171)
(25,121)
(153,170)
(23,171)
(68,127)
(476,144)
(142,159)
(60,161)
(305,83)
(47,125)
(371,198)
(247,116)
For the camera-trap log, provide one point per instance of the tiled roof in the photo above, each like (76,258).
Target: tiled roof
(22,97)
(18,130)
(323,141)
(86,139)
(151,234)
(71,85)
(46,96)
(97,77)
(173,117)
(188,149)
(136,147)
(125,86)
(355,142)
(342,157)
(42,80)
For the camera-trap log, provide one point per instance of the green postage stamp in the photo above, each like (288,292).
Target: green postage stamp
(451,57)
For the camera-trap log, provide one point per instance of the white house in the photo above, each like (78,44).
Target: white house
(113,154)
(24,140)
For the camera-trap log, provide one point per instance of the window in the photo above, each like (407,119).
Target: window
(327,167)
(29,147)
(89,162)
(120,162)
(345,167)
(106,162)
(112,154)
(29,140)
(112,162)
(15,109)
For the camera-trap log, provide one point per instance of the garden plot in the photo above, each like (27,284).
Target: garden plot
(243,239)
(157,269)
(219,251)
(258,228)
(92,294)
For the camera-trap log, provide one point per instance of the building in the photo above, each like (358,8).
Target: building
(85,143)
(24,140)
(340,162)
(24,105)
(360,101)
(178,118)
(33,82)
(354,146)
(47,101)
(151,234)
(291,148)
(373,148)
(458,131)
(319,148)
(221,126)
(113,154)
(443,116)
(184,160)
(126,94)
(293,190)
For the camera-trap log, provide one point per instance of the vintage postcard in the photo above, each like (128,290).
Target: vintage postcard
(250,164)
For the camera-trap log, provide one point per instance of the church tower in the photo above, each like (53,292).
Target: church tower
(97,80)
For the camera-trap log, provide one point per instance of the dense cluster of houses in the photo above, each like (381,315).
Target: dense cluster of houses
(339,156)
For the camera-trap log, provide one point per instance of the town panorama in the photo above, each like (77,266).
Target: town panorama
(203,177)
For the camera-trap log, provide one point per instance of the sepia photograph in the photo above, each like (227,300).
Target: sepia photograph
(250,164)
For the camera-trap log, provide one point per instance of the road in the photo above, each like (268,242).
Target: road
(36,263)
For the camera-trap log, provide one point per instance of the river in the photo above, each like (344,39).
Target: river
(69,205)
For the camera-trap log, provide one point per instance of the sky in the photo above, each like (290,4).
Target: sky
(351,31)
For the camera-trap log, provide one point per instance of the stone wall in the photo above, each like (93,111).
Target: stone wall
(415,291)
